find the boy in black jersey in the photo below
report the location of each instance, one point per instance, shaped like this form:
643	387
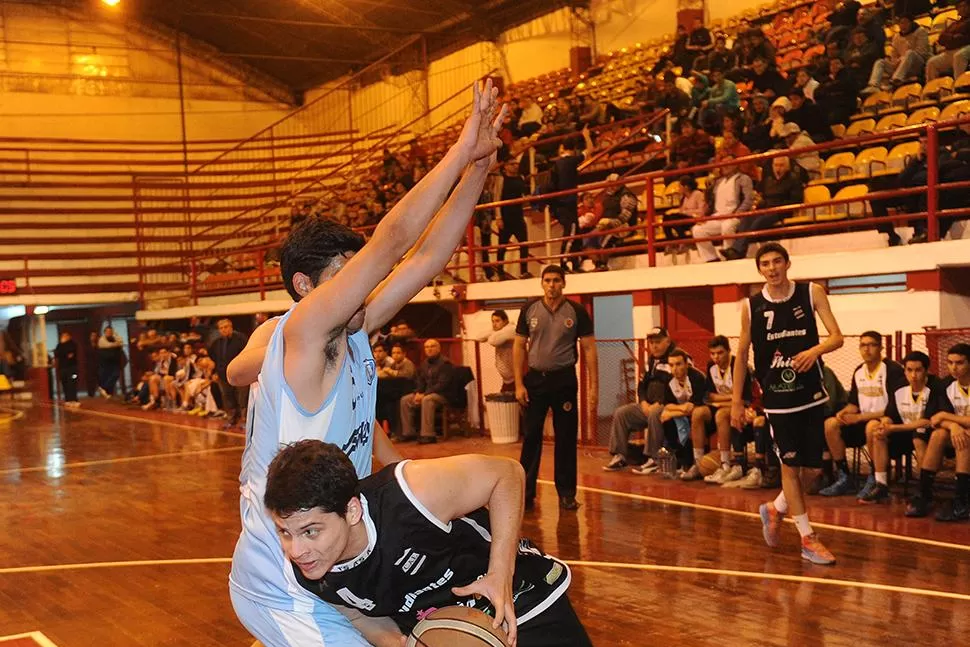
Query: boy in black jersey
950	420
415	537
779	323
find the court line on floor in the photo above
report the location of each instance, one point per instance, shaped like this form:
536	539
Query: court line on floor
150	421
37	636
17	414
755	515
572	563
126	459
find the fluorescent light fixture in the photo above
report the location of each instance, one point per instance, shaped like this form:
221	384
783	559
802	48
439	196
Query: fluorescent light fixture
41	310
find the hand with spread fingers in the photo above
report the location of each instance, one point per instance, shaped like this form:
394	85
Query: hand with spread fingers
497	587
479	139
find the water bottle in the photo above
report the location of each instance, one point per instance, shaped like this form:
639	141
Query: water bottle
667	463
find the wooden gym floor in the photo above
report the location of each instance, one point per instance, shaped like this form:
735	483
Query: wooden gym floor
117	528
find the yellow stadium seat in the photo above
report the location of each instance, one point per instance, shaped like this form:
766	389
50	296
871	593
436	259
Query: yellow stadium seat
851	209
924	21
870	160
955	109
891	122
837	166
941	20
861	127
923	115
903	96
813	194
961	89
838	130
672	194
874	103
900	155
936	90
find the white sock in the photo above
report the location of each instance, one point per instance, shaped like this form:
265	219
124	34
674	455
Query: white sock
698	455
726	457
804	527
781	503
882	477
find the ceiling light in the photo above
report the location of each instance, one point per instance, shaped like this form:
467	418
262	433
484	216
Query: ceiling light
111	3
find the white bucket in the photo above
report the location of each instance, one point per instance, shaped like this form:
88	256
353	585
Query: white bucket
503	421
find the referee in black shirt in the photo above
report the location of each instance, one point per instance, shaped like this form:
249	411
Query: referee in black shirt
552	325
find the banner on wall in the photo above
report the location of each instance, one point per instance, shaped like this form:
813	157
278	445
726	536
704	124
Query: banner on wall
8	286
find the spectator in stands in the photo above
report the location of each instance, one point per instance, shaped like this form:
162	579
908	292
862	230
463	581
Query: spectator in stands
433	380
700	89
757	125
766	79
672	98
645	98
805	82
722	58
222	351
531	119
400	366
681	56
910	52
779	188
759	48
677	223
955	39
861	57
843	19
776	115
873	20
644	414
722	98
625	215
809	163
731	146
837	93
732	192
66	362
510	219
699	41
110	361
502	338
565	176
692	147
808	116
392	384
872	384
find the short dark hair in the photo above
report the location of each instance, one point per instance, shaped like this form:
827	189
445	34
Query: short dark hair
680	352
688	181
767	248
501	314
719	341
311	246
310	474
917	356
553	269
961	348
377	345
872	334
401	346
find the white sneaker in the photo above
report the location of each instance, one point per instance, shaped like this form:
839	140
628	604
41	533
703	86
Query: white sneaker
647	468
733	473
693	474
717	477
751	481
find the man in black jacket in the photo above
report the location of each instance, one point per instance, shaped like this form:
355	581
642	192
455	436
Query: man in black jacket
65	356
223	350
433	380
808	116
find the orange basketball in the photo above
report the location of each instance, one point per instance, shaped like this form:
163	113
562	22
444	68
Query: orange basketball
457	627
710	463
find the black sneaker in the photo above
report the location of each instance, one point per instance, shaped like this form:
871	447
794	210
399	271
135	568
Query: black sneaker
955	511
918	507
568	503
879	493
616	464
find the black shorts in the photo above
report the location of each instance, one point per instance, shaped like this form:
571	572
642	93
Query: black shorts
854	435
901	443
800	436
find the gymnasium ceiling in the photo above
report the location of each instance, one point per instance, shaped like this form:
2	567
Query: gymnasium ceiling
303	43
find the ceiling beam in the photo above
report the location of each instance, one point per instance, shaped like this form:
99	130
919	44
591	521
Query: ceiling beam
305	59
301	23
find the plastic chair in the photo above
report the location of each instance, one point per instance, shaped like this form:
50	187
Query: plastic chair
923	115
851	209
899	157
869	159
838	166
891	122
807	214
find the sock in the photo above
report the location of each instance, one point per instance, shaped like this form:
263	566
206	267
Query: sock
926	484
698	455
882	477
828	468
963	487
725	457
781	503
843	466
804	527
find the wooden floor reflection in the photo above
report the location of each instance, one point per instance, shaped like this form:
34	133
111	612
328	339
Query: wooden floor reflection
83	488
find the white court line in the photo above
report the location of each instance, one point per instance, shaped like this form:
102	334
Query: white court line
36	636
755	515
572	563
127	459
17	414
148	421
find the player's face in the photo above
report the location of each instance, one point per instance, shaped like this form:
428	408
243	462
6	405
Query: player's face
552	285
497	323
679	367
870	349
313	540
720	356
915	374
774	268
958	366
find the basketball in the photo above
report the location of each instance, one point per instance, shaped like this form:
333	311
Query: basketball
710	463
457	627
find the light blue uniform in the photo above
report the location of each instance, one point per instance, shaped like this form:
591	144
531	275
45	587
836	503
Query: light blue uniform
265	594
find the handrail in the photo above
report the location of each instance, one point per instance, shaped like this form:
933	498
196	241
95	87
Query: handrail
650	120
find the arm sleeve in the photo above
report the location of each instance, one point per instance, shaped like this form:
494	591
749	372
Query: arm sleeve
522	326
642	389
407	369
854	392
709	386
584	324
420	383
499	337
669	397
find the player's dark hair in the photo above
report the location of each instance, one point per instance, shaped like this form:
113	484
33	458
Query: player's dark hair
310	474
873	335
553	269
767	248
680	352
917	356
501	314
719	341
960	349
311	246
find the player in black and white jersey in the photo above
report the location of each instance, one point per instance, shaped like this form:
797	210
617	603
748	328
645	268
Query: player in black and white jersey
415	537
779	322
904	425
950	420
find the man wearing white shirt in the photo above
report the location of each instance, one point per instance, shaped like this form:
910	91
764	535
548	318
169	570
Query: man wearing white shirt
502	338
733	192
531	119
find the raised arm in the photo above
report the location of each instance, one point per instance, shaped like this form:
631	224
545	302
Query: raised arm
245	367
452	487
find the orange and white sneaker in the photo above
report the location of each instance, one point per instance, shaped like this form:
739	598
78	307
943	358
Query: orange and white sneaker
815	552
771	523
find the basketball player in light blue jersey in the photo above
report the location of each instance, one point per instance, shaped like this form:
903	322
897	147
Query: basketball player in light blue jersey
317	378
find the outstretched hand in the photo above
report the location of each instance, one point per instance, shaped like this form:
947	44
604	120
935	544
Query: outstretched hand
497	588
479	139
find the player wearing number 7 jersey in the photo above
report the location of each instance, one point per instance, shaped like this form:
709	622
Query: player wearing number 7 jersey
779	323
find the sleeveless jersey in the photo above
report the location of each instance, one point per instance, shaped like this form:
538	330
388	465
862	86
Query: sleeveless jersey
260	570
413	560
780	330
906	406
